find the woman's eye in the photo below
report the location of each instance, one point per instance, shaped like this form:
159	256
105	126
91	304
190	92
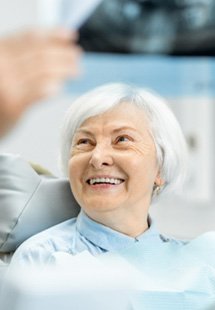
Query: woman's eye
84	144
123	139
83	141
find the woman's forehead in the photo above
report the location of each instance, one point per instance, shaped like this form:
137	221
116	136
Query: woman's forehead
122	115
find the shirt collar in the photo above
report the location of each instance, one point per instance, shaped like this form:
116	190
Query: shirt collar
109	239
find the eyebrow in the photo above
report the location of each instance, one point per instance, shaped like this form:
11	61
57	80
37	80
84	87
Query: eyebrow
124	128
88	132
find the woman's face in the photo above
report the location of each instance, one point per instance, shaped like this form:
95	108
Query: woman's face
113	162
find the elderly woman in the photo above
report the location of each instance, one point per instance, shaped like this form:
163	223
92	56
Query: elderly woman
122	148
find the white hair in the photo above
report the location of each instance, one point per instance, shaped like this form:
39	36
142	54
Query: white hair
168	137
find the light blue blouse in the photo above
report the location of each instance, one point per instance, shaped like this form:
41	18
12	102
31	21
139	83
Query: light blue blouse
175	274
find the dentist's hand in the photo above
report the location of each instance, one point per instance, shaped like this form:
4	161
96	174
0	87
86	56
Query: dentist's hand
33	66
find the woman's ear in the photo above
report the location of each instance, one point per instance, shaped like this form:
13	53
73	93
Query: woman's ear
159	181
158	185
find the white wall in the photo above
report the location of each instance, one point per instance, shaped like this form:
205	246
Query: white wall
17	15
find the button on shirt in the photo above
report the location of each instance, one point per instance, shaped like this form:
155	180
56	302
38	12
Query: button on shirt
175	274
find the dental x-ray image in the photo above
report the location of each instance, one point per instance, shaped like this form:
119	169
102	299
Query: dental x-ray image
184	27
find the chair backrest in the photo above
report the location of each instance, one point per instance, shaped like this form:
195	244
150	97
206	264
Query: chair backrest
30	203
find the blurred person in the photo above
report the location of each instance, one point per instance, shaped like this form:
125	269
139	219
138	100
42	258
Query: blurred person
33	66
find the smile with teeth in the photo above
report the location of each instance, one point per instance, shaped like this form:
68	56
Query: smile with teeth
112	181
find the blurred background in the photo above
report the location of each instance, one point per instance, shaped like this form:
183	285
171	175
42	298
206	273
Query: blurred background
164	45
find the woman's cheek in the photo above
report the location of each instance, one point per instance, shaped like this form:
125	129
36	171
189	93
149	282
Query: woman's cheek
78	165
74	151
73	167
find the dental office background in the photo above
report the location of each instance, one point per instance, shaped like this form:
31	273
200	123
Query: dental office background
188	82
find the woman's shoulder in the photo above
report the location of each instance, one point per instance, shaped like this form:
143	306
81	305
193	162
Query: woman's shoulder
197	253
209	235
204	241
40	246
56	232
203	248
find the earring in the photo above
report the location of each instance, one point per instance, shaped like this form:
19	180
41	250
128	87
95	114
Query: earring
156	189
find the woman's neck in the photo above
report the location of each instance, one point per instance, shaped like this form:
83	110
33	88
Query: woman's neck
129	223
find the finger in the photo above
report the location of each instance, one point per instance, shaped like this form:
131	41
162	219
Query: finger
48	61
31	83
54	35
63	33
27	42
45	87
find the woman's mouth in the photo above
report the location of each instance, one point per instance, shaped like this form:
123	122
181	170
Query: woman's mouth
96	181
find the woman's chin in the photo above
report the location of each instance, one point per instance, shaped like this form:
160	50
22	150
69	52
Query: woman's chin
100	205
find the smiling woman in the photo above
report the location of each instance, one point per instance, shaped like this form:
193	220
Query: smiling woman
113	166
122	148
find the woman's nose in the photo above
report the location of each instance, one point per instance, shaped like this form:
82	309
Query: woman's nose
101	156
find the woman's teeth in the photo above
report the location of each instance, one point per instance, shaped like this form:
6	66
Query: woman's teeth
105	180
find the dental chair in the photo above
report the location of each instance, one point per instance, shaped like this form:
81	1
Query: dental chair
29	203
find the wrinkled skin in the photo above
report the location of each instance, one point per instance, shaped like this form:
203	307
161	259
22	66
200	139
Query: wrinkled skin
115	144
